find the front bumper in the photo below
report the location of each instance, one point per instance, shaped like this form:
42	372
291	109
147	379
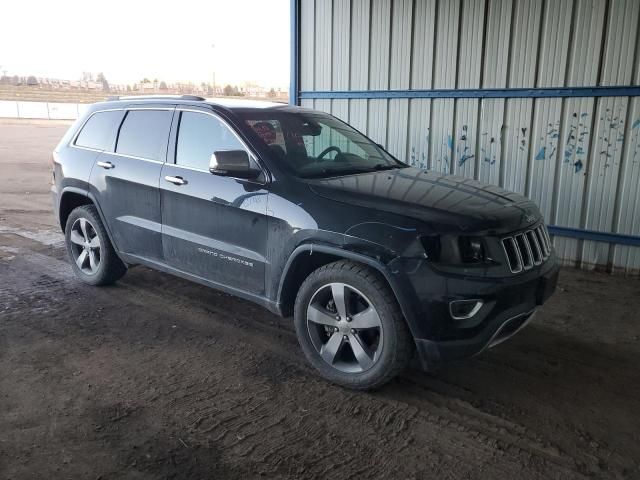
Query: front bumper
507	308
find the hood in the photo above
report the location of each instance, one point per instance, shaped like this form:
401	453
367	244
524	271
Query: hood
441	200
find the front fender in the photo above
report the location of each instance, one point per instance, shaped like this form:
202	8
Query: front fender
394	278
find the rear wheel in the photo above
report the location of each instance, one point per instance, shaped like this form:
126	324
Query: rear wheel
350	326
92	256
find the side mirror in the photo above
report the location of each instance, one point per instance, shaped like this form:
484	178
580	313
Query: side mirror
232	163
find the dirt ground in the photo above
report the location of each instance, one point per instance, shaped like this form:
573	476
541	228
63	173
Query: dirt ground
156	377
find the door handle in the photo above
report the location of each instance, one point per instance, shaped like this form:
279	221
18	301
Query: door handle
175	180
106	165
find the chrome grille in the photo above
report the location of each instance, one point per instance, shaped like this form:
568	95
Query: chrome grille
526	249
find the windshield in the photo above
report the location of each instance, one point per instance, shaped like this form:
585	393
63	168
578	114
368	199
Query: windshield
317	145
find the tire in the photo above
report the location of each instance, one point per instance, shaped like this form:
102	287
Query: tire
362	358
86	237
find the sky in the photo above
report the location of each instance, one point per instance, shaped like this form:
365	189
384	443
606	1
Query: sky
130	40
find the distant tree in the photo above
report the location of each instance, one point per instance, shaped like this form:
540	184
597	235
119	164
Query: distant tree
31	80
145	80
272	93
228	90
128	88
103	80
163	85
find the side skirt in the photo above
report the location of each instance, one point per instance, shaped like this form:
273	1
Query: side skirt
270	305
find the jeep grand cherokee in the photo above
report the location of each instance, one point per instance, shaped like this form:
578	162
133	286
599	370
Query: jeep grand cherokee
299	212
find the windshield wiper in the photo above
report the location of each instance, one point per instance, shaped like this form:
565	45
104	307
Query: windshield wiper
337	172
385	166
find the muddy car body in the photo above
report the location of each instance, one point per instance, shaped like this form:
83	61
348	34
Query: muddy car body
375	259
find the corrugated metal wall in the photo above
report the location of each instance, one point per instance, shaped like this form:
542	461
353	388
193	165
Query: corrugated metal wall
578	158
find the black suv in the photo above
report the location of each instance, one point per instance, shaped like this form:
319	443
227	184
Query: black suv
299	212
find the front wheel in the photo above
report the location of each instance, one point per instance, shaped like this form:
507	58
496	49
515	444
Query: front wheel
350	326
92	256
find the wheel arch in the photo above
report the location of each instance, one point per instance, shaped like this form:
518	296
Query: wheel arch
298	268
72	198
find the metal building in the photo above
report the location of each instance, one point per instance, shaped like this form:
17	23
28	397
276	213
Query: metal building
537	96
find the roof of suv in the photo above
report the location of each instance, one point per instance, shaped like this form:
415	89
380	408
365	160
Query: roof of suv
228	103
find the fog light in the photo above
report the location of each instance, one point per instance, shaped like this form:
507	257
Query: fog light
464	309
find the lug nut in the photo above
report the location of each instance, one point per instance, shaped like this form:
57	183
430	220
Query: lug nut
338	317
345	337
353	330
348	319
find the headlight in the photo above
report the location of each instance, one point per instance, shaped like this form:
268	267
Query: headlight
471	249
431	245
452	249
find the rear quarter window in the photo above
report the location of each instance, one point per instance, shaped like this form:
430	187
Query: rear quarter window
97	132
145	134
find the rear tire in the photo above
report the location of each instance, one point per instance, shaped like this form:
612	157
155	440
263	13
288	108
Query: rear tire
350	326
93	258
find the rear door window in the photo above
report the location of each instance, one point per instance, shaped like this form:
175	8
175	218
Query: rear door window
144	134
98	130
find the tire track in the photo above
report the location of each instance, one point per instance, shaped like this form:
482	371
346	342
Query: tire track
382	416
223	374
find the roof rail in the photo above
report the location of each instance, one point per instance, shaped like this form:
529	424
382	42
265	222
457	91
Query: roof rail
159	97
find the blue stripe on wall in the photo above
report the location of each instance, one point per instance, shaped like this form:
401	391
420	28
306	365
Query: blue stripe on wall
561	92
617	238
295	52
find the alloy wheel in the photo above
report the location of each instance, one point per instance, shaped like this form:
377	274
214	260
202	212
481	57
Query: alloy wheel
85	246
345	328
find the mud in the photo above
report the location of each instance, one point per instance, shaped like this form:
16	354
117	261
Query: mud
156	377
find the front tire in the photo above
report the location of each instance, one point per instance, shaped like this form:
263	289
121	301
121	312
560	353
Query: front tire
350	326
93	258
